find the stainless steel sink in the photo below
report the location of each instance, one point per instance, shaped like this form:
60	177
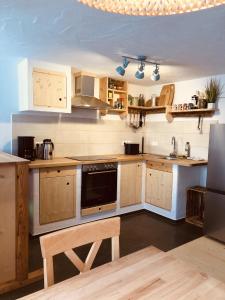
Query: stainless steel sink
170	157
173	157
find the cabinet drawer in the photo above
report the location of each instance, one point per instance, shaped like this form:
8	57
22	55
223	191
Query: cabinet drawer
57	172
166	167
98	209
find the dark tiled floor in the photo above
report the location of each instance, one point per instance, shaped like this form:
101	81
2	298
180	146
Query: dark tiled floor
138	230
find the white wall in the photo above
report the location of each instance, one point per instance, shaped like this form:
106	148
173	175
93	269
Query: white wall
157	130
76	136
160	132
135	90
184	90
9	99
9	106
73	135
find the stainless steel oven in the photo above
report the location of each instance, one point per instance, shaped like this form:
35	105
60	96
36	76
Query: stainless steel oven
99	184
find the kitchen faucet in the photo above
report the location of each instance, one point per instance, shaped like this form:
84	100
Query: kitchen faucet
173	142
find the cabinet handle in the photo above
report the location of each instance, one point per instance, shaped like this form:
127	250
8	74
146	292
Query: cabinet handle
68	183
150	174
99	208
60	99
58	171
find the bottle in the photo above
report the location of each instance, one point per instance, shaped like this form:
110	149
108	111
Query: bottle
188	149
141	100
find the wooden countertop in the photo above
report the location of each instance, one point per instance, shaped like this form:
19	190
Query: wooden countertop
63	162
146	274
6	158
179	161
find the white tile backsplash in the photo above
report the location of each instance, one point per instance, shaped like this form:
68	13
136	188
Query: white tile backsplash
75	136
159	134
89	136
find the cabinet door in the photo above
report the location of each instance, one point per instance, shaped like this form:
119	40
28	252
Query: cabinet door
57	199
57	91
166	190
130	184
40	88
152	186
159	188
49	89
7	223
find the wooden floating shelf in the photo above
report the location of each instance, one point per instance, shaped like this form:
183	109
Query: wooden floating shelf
205	112
117	110
117	91
148	110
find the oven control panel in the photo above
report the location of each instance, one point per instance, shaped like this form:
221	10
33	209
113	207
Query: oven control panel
99	167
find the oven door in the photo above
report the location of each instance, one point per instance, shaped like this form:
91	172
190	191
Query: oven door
98	188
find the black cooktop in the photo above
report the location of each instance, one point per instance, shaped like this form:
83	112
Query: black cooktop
91	157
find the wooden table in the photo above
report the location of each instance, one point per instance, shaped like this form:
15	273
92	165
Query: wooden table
146	274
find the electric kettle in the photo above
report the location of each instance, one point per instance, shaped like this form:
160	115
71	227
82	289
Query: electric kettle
48	148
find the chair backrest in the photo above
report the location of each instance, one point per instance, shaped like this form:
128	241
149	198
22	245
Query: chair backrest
67	239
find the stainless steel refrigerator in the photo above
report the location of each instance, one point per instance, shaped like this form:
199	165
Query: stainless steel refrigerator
214	225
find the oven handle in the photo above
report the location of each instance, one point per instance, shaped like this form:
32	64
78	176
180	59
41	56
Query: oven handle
100	172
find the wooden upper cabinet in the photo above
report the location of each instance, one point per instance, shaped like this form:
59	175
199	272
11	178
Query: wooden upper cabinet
49	89
159	188
57	194
44	87
114	92
130	183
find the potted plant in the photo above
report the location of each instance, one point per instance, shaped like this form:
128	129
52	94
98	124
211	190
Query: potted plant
213	91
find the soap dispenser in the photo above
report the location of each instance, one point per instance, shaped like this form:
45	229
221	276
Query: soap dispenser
188	149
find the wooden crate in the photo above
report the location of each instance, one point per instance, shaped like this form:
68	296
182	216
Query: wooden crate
195	205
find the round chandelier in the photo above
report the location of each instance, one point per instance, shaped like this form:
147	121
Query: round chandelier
151	7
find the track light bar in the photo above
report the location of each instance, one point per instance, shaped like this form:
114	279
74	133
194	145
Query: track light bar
142	60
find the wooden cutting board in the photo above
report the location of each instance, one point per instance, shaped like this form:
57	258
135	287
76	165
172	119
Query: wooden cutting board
166	95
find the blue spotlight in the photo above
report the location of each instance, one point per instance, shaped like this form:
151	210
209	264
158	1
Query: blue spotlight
140	72
155	75
121	69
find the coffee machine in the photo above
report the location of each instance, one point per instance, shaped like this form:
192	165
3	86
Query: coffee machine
26	147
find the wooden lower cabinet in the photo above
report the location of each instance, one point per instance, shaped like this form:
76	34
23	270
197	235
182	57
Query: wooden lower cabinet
57	195
7	223
159	188
130	183
14	270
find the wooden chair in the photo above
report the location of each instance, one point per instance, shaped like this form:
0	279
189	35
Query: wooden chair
68	239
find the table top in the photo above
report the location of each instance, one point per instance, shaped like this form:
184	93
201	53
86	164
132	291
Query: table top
146	274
